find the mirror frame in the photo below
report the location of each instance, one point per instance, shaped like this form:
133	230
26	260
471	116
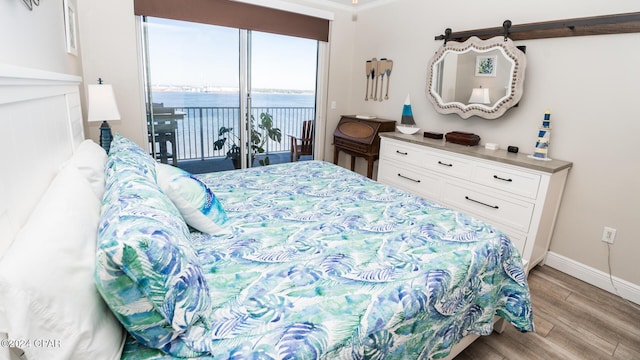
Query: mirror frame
513	54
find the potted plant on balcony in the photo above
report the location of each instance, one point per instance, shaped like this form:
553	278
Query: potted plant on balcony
227	138
260	134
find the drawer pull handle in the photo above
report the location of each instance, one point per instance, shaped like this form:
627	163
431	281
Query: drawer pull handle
408	178
480	202
445	164
402	153
503	179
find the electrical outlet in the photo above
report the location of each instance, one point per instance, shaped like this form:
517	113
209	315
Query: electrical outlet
608	235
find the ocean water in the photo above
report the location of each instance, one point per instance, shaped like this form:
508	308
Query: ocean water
193	99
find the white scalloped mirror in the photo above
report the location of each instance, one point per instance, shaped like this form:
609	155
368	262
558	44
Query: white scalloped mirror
476	77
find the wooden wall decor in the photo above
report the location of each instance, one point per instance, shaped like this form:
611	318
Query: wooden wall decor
375	69
595	25
29	3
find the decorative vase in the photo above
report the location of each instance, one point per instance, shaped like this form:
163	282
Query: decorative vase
407	121
407	113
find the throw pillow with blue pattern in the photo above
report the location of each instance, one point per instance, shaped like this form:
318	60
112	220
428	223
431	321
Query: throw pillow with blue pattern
195	200
146	270
127	152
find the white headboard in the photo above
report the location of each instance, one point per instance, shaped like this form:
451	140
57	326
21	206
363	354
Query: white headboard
40	126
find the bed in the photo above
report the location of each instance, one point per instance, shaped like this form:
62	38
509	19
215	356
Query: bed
293	261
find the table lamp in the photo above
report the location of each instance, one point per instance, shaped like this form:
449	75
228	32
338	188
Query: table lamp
479	96
103	107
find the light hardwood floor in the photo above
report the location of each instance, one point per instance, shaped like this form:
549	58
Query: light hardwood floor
573	320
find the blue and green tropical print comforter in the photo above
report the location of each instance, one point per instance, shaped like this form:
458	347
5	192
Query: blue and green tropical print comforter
323	263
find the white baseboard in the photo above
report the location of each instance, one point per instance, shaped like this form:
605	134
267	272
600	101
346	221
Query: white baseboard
594	277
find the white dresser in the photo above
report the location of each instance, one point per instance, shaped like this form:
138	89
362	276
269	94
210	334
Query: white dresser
518	195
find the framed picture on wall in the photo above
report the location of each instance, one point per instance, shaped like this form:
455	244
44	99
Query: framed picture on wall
486	65
70	27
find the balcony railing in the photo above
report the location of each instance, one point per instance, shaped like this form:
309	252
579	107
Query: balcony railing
197	128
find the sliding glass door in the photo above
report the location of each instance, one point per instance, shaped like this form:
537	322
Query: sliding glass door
220	98
282	81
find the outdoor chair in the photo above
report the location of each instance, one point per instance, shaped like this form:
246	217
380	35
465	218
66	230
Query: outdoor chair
164	126
304	144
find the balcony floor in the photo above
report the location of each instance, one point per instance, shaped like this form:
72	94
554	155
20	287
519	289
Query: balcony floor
222	164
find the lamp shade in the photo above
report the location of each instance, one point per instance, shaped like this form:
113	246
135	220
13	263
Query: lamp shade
479	96
102	103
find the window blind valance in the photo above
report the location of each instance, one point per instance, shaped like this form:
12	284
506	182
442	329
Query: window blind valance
238	15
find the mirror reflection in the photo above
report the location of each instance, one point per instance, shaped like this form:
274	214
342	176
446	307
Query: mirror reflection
477	77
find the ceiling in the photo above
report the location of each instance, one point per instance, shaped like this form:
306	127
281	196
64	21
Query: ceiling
349	2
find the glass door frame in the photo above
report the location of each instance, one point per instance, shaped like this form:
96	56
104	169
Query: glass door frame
146	80
245	96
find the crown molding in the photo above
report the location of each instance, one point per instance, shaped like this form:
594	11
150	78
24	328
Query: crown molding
291	7
353	8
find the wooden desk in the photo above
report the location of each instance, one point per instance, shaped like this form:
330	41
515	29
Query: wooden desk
359	138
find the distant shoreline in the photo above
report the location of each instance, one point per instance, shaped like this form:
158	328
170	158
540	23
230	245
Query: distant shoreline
221	90
230	98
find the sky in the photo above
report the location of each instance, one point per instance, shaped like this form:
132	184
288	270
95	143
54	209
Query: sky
183	53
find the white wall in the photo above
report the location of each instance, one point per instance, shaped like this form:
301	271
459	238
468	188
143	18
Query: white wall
579	79
110	51
36	39
107	44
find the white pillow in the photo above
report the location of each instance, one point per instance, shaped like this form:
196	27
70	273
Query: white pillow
47	290
7	231
197	204
90	159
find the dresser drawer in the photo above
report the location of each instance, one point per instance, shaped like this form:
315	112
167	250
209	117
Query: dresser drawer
498	209
351	145
505	179
449	165
417	182
401	153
